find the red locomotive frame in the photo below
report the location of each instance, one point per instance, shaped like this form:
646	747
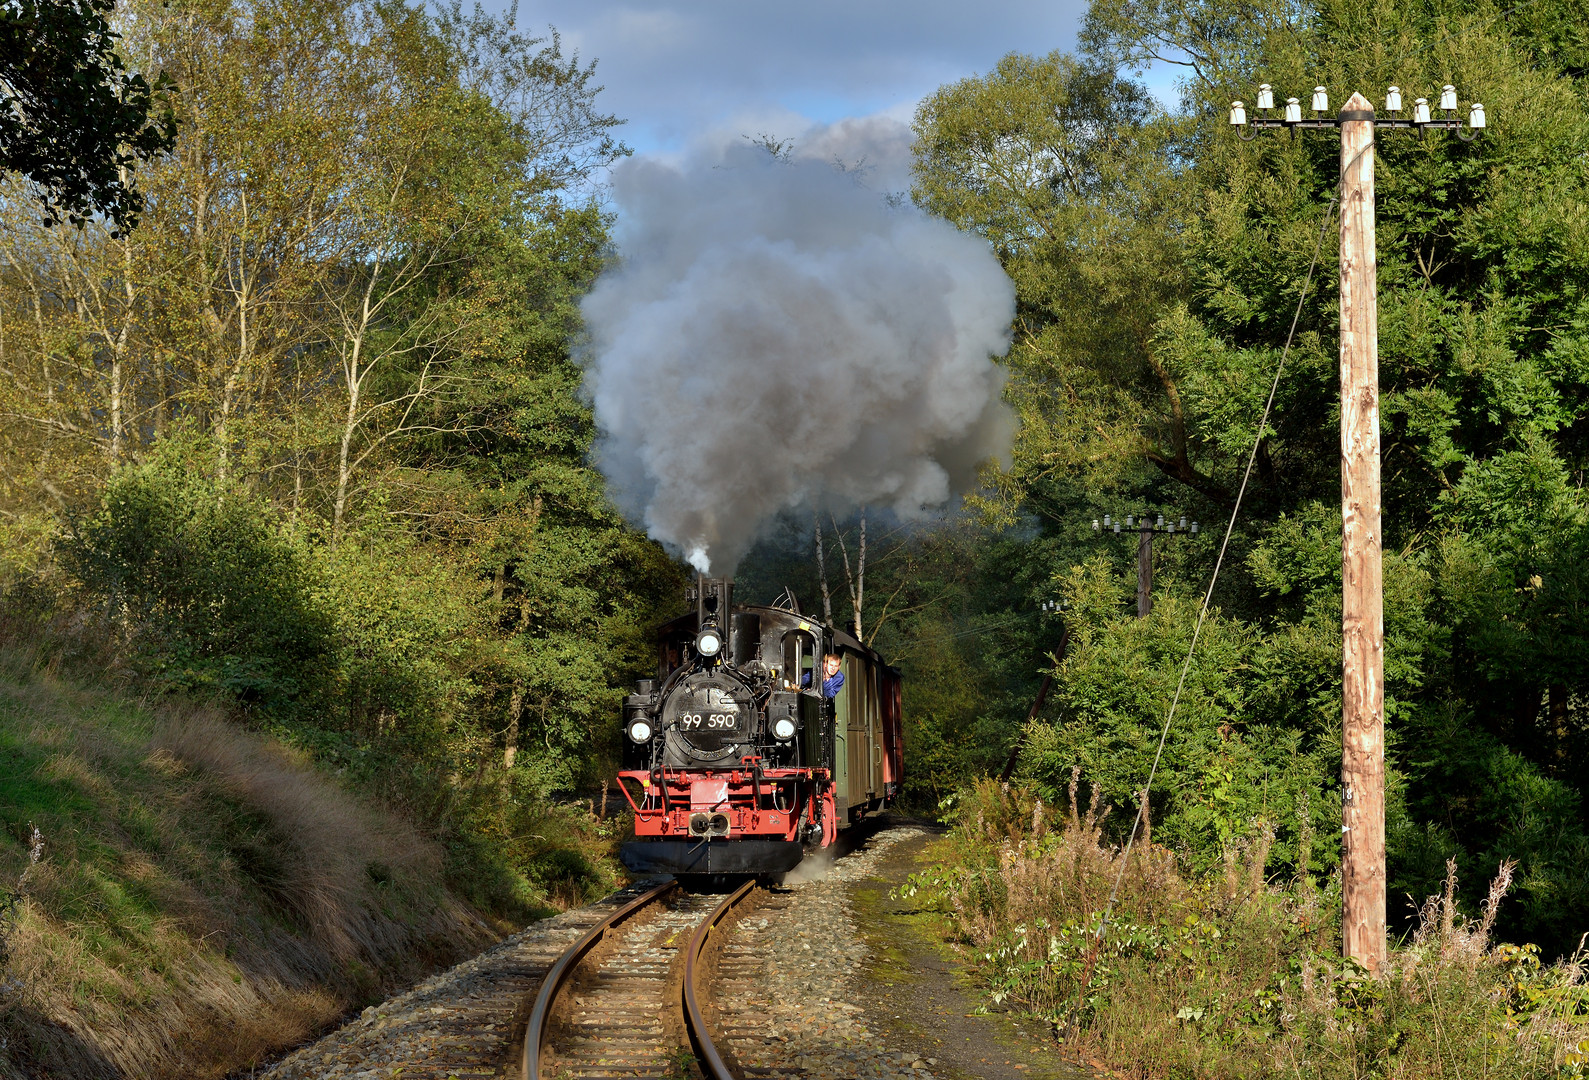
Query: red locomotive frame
665	808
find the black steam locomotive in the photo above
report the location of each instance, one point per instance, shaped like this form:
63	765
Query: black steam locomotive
734	761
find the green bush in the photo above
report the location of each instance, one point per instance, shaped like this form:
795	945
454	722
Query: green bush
377	655
203	581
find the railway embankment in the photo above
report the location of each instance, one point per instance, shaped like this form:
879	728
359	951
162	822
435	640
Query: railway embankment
786	983
180	897
464	1023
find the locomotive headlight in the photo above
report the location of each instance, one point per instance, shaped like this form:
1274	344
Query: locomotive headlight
783	728
640	731
708	643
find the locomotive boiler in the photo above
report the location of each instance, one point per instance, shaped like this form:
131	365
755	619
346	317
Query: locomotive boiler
733	760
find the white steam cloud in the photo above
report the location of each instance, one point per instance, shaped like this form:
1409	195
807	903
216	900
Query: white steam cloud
776	335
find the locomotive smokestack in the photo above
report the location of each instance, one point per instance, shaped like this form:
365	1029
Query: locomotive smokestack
713	626
714	600
777	336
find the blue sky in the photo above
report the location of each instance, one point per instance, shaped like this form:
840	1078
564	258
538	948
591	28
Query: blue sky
841	77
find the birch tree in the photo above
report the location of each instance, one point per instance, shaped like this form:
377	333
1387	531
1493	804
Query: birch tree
855	579
822	570
317	263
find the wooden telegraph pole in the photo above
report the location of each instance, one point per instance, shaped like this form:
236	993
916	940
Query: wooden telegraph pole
1362	599
1146	531
1362	603
1145	570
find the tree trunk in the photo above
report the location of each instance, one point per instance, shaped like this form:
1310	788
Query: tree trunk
354	371
854	578
120	348
229	396
349	427
822	573
115	407
860	579
515	707
1558	725
162	408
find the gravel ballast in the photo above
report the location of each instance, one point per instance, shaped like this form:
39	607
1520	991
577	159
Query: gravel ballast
789	999
466	1023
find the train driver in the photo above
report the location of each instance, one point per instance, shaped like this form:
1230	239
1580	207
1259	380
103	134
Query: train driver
832	677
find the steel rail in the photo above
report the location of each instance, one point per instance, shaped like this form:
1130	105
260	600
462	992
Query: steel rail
712	1064
535	1030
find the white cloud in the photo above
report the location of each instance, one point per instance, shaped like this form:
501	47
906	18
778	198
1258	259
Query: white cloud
650	32
679	69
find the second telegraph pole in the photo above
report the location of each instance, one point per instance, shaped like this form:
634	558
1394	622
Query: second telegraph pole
1362	601
1146	531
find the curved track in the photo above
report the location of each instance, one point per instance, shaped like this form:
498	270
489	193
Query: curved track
615	1019
706	1052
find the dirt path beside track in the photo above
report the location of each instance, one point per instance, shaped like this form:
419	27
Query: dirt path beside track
917	985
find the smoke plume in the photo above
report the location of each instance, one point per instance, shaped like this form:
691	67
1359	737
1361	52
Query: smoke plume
776	335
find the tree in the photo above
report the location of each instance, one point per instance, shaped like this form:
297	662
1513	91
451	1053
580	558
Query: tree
1078	181
323	232
354	289
854	580
73	120
1155	299
313	433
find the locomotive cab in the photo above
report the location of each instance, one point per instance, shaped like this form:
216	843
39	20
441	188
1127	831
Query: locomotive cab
730	764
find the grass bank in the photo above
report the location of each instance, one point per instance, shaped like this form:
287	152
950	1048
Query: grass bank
1234	974
182	897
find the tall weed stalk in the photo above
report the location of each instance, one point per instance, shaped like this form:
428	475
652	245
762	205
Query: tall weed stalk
1231	973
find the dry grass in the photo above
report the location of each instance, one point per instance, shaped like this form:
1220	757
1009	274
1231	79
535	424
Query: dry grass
330	850
204	896
1232	974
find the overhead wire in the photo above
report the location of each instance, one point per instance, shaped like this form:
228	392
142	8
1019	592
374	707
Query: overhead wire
1219	562
1004	626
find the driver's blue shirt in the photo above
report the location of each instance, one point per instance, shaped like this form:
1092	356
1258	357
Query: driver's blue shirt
830	686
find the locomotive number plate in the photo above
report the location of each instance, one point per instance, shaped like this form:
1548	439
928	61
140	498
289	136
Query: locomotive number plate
717	721
709	717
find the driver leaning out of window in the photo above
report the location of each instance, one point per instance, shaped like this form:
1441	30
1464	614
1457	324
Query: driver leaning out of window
832	677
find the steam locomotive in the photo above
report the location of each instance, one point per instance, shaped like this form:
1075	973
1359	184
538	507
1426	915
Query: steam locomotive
733	760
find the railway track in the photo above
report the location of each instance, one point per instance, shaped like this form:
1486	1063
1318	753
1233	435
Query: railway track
626	998
741	1018
782	1002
